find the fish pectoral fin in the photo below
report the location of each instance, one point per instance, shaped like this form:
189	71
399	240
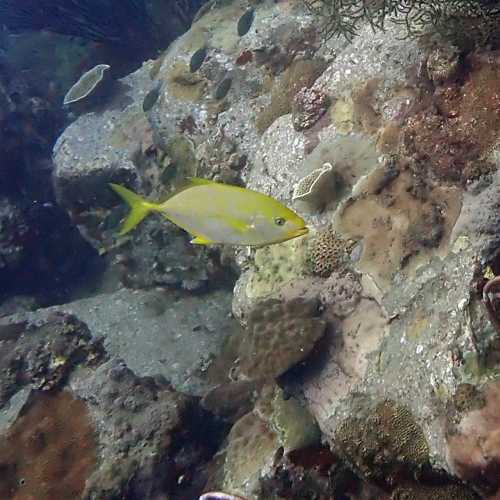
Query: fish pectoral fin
237	224
200	240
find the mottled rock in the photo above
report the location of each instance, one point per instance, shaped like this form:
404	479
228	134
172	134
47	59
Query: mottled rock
136	420
42	354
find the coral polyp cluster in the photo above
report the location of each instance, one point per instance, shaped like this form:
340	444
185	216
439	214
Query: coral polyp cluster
328	252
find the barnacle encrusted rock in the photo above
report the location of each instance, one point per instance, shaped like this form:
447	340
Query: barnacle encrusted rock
280	334
318	187
328	252
138	419
381	440
41	356
308	106
86	84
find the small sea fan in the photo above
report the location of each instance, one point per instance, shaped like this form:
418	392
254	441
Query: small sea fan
466	22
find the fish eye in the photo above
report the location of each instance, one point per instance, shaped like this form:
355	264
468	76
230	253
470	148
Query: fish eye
279	221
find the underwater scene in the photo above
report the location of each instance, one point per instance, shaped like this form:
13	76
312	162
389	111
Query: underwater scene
249	249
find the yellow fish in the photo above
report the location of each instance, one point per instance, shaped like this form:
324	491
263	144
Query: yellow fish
219	213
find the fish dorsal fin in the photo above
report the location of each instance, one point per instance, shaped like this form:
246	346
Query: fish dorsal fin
191	182
197	181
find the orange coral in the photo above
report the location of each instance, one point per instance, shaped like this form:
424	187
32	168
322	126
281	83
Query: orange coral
50	450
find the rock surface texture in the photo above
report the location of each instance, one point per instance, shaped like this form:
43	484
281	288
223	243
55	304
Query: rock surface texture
383	319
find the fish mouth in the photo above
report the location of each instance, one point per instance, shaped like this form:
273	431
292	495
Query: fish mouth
301	231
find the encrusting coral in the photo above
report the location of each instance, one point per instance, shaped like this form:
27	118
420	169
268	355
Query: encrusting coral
280	334
50	450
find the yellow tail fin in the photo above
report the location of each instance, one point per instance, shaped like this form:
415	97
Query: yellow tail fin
139	207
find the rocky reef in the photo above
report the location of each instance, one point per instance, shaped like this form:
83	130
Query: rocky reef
359	361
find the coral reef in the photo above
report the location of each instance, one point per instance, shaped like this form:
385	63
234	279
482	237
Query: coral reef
248	455
279	335
397	234
314	472
50	451
434	493
289	419
274	266
184	84
276	426
391	327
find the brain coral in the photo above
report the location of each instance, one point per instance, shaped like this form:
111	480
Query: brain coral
280	334
383	441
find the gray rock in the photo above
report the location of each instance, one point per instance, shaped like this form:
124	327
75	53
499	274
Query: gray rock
13	229
155	332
